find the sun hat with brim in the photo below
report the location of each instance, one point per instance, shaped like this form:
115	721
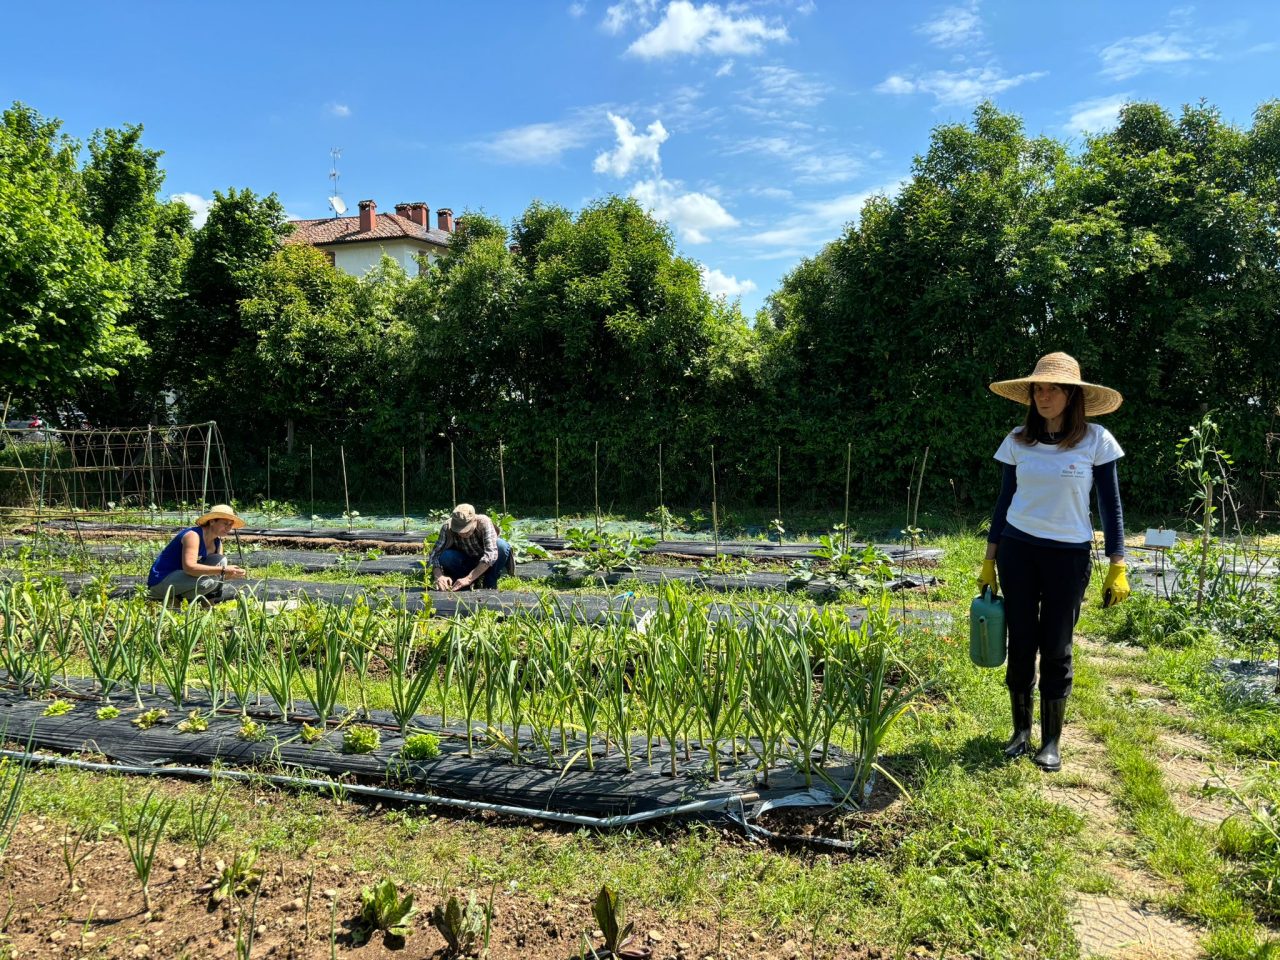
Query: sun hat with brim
462	518
220	511
1060	368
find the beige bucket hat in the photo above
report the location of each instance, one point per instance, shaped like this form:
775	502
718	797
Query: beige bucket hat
463	518
221	511
1064	369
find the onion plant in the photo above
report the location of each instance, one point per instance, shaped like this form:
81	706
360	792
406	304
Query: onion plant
173	650
17	615
411	673
103	654
766	700
465	665
327	657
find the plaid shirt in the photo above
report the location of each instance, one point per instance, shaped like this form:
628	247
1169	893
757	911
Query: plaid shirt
481	542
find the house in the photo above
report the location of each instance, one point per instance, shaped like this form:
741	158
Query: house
356	244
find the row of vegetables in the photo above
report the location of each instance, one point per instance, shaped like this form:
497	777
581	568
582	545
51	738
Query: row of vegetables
760	689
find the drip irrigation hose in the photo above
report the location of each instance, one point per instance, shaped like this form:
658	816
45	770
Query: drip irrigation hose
404	796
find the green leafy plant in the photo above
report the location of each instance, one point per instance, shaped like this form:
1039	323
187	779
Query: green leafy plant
602	553
421	746
58	708
842	568
141	830
107	713
361	738
611	917
150	718
196	722
237	878
310	734
727	566
510	531
463	929
382	908
252	730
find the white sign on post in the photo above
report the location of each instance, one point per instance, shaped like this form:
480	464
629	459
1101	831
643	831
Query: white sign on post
1160	538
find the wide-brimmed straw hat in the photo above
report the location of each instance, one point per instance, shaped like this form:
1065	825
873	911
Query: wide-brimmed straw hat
1060	368
462	518
220	511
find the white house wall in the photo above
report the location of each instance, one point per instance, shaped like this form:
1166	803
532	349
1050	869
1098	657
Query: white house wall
357	259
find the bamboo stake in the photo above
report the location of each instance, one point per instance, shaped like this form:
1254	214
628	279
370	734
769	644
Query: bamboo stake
779	513
715	520
502	478
848	467
346	492
453	475
204	479
596	475
268	472
662	503
557	487
404	500
311	470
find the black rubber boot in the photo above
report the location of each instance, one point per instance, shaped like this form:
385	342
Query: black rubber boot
1020	742
1052	713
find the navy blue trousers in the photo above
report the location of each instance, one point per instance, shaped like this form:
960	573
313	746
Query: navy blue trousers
1043	588
457	564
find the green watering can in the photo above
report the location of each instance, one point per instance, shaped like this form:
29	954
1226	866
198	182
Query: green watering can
987	638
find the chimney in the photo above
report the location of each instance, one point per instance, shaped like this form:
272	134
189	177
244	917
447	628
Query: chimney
420	214
368	215
402	210
444	219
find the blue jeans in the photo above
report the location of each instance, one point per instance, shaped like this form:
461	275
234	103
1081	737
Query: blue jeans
457	564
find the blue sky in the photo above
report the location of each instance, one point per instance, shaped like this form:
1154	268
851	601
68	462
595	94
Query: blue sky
756	129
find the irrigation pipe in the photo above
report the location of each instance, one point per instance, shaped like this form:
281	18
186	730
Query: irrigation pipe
384	793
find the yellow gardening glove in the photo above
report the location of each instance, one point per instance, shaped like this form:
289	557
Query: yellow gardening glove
1115	589
987	578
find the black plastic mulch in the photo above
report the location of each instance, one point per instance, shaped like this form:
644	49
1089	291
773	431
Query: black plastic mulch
692	548
315	561
537	783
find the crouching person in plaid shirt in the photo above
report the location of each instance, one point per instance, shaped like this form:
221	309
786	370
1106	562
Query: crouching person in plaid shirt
469	551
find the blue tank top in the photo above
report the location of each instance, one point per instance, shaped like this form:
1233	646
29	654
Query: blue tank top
170	558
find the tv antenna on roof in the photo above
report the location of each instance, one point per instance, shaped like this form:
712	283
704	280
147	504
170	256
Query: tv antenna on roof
335	201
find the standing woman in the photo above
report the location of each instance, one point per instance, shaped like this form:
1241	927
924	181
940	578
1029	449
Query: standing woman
1042	536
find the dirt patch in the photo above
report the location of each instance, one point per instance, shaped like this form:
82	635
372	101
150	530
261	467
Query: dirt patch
1114	928
103	915
1184	761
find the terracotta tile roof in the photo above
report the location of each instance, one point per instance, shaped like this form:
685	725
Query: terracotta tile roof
388	226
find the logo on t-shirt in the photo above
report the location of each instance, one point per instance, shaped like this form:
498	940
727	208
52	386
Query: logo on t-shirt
1074	471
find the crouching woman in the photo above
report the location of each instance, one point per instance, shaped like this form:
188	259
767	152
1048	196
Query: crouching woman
192	566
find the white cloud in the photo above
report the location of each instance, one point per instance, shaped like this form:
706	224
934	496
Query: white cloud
787	86
633	149
809	163
720	284
954	27
339	109
957	87
1131	56
618	15
1096	115
577	9
725	69
692	215
708	29
817	222
198	204
537	143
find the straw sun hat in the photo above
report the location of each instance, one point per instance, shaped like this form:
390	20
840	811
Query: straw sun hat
463	518
220	511
1063	369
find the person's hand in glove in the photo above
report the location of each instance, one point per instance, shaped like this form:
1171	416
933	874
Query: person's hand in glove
1115	589
987	578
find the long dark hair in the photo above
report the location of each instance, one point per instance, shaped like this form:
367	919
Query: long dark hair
1073	422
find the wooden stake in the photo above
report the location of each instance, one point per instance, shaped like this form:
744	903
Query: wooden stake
453	475
268	473
404	498
715	520
779	513
557	487
596	475
346	492
662	503
311	473
848	467
502	478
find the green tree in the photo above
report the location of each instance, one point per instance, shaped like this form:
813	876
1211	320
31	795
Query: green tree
61	298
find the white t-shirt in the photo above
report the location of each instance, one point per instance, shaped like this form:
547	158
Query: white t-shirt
1052	499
